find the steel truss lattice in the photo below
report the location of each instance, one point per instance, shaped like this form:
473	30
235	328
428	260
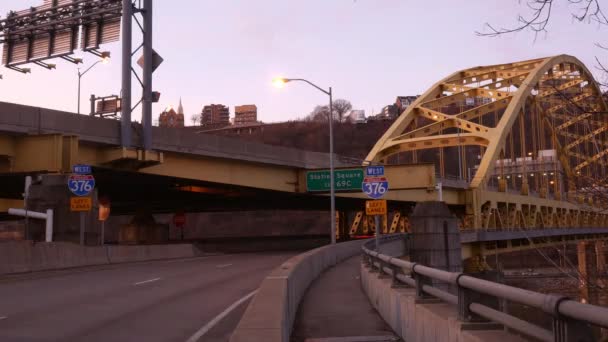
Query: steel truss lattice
530	138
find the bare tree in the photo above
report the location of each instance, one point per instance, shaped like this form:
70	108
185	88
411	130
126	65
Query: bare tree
540	16
195	118
341	107
318	114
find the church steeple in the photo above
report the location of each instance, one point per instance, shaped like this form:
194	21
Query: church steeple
180	108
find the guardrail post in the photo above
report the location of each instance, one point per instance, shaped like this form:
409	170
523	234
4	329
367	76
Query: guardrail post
465	298
569	330
382	273
566	329
395	282
372	265
366	260
420	282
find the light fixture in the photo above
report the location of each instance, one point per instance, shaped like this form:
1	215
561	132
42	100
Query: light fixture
279	82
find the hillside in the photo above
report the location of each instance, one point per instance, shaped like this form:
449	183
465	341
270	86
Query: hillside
351	140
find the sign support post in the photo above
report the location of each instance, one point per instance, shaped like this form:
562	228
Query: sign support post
103	212
82	220
147	76
81	183
378	232
103	226
375	186
125	101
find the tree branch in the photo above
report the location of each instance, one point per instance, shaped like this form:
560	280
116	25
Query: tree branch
541	14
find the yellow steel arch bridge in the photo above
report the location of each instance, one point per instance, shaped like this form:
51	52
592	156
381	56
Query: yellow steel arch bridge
530	138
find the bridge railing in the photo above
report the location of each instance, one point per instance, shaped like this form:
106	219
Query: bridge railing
568	315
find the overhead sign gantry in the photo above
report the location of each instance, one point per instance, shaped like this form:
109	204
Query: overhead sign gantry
39	34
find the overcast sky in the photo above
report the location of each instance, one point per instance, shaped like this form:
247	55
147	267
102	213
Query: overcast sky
369	51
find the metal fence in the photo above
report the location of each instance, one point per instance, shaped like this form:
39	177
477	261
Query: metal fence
569	316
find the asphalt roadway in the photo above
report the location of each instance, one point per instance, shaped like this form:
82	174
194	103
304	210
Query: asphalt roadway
185	300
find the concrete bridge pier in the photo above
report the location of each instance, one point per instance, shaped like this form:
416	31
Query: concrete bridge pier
435	238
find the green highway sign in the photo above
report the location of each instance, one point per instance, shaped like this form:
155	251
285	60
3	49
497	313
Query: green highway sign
345	180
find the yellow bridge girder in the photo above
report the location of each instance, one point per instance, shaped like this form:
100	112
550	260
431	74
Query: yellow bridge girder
514	112
57	153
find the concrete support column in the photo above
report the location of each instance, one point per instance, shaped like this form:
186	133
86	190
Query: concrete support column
435	238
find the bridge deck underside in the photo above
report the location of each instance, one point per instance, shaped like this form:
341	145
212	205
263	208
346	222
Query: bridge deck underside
132	191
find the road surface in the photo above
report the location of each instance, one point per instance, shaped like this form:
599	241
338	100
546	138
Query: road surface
173	300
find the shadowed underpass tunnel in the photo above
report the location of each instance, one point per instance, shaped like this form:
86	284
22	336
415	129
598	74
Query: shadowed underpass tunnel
130	192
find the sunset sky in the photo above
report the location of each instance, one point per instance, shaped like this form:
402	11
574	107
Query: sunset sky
369	51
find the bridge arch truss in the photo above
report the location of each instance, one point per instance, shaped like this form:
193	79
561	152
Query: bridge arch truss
530	139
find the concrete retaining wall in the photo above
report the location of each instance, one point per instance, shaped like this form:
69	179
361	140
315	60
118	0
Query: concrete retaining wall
415	321
270	315
24	256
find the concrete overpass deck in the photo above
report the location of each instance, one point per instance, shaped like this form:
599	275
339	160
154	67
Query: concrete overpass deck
16	119
222	169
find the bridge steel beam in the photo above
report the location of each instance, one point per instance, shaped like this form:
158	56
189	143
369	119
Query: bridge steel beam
535	129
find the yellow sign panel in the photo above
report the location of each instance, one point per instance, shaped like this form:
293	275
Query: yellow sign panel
81	203
376	207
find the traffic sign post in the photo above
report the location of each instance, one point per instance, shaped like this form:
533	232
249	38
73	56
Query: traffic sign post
81	204
375	186
81	169
349	179
375	207
81	183
179	220
104	213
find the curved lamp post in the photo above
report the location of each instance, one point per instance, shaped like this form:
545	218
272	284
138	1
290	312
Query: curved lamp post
105	57
279	83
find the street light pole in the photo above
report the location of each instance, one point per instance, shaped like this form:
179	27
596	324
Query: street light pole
279	82
80	76
332	189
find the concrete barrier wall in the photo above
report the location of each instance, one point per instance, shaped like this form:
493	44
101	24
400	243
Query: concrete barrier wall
24	256
118	254
270	315
416	321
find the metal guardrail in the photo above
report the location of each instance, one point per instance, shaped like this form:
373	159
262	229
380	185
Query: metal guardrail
567	314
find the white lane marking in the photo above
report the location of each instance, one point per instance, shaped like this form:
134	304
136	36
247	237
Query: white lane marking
147	281
276	277
224	265
193	259
202	331
3	317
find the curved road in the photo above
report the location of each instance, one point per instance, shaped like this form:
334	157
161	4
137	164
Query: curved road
172	300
